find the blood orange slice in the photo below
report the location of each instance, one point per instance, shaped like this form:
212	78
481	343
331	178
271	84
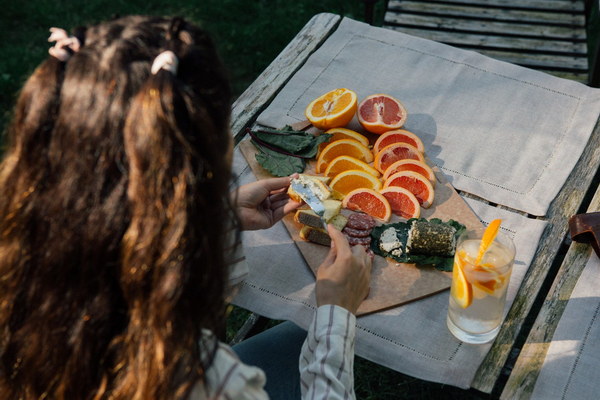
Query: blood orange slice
370	202
395	152
333	109
398	136
402	202
414	182
380	113
410	165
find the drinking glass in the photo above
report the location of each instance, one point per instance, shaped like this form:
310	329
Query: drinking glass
478	292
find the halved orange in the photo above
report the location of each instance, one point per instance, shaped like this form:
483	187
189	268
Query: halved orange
398	136
332	109
395	152
345	163
402	202
352	179
370	202
414	182
380	113
461	290
343	147
410	165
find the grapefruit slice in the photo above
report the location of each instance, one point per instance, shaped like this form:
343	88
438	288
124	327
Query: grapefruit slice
370	202
402	202
345	163
332	109
395	152
347	181
410	165
398	136
380	113
343	147
414	182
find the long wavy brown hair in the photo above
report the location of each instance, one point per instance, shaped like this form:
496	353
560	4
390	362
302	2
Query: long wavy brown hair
114	217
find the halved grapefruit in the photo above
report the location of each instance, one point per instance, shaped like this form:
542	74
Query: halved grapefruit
402	202
414	182
370	202
380	113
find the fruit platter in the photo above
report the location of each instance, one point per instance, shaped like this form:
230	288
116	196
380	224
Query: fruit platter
377	186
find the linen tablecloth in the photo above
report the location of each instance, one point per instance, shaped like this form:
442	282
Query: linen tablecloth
504	133
570	370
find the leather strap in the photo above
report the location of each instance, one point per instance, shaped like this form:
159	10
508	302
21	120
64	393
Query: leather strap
585	228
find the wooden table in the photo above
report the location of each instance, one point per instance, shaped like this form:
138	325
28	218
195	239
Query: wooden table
489	376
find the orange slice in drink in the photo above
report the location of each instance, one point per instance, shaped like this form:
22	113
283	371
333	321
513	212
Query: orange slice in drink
345	163
380	113
488	237
487	278
398	136
416	183
343	147
410	165
461	290
395	152
370	202
402	202
347	181
333	109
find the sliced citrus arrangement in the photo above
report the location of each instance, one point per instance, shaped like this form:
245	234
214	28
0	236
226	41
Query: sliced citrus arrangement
345	163
380	113
461	290
398	136
343	147
370	202
395	152
414	182
352	179
332	109
343	133
402	202
410	165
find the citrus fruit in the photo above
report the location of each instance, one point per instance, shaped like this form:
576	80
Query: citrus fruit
395	152
333	109
343	133
343	147
380	113
414	182
402	202
398	136
345	163
410	165
370	202
347	181
461	290
487	278
488	237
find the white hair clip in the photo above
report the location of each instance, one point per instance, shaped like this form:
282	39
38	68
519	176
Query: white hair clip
166	60
64	43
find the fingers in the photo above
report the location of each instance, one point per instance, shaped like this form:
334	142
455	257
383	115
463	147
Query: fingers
276	184
339	240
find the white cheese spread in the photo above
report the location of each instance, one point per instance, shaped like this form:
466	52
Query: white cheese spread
388	242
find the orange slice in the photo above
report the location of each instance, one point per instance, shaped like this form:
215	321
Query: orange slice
347	181
461	290
395	152
398	136
343	147
343	133
402	202
487	278
380	113
410	165
370	202
488	237
345	163
416	183
333	109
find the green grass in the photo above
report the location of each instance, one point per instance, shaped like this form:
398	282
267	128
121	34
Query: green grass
249	34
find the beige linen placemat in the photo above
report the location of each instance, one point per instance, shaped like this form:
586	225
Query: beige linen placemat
570	370
505	133
412	339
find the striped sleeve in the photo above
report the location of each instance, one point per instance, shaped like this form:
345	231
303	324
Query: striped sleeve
327	357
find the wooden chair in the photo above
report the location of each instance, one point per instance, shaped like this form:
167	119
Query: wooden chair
548	35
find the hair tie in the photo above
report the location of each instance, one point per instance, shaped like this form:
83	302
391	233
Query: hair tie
65	45
166	60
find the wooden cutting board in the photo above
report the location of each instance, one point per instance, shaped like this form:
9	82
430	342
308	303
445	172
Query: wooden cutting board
392	283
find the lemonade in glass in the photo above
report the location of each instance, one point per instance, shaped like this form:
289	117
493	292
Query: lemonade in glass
478	292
